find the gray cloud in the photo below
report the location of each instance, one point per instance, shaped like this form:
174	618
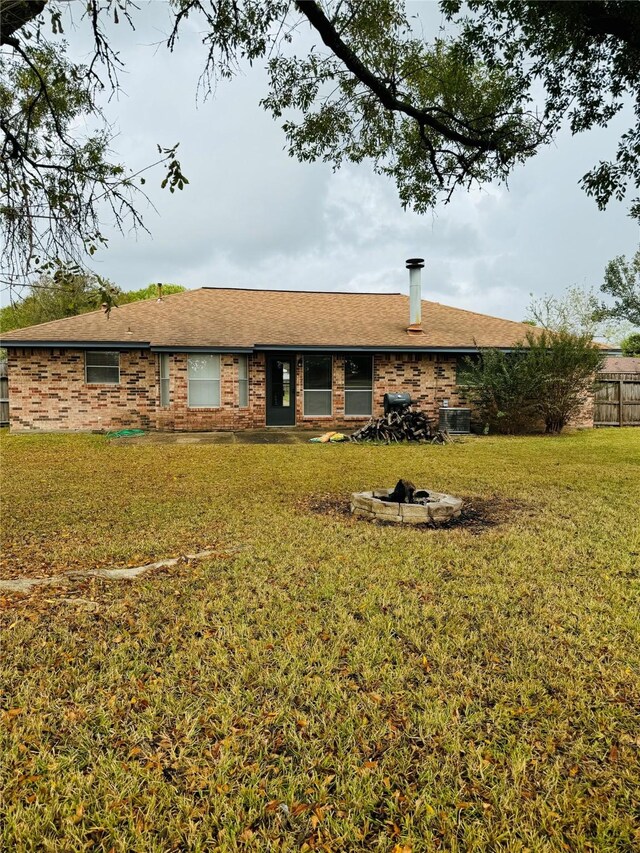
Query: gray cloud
251	216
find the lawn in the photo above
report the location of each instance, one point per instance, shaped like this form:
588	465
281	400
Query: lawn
322	683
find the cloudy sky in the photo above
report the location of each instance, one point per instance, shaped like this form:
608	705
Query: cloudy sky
253	217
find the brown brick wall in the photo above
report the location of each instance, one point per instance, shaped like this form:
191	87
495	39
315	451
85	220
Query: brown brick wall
429	379
178	416
47	391
585	417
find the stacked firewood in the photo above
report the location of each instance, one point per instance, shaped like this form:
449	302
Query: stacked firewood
404	425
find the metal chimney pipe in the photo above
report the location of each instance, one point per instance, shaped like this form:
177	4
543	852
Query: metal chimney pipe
415	265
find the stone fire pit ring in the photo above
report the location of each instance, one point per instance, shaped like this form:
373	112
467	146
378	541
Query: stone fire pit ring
437	508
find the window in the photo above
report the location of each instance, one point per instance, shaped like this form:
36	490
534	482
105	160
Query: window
102	368
243	381
164	378
317	385
203	373
358	384
464	368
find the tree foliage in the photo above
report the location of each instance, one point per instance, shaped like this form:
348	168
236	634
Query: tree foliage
432	113
59	182
502	388
576	311
69	292
586	58
428	115
622	282
64	293
565	366
151	291
544	380
631	345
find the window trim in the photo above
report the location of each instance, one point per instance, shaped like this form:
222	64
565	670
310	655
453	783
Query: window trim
88	353
241	357
218	380
460	373
370	390
164	358
306	391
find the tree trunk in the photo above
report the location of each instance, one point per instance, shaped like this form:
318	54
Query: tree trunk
554	425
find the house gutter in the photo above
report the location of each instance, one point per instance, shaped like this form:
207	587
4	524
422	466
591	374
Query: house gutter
326	348
213	349
371	349
121	345
115	345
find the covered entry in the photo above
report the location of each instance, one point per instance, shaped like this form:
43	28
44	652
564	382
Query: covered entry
281	389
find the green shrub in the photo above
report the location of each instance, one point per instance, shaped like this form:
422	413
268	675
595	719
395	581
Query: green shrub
502	388
544	380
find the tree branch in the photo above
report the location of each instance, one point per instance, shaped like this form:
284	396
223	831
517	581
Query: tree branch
604	19
14	14
332	40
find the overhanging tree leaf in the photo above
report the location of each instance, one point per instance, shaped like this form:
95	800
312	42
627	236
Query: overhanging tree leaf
433	114
622	282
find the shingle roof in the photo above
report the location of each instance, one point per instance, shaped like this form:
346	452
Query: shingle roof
233	317
620	364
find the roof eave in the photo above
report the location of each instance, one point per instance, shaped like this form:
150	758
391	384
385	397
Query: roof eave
14	343
368	348
338	348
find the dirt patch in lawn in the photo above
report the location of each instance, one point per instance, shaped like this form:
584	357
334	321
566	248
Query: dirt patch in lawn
477	514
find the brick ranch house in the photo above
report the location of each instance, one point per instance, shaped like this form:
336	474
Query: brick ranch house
230	359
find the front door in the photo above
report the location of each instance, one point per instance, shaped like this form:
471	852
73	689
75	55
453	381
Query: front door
281	390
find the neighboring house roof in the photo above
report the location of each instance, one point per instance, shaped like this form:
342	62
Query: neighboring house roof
234	318
620	364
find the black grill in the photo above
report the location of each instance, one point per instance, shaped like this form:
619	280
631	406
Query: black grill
395	402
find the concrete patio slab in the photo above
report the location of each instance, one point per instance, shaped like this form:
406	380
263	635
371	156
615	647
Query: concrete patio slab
273	435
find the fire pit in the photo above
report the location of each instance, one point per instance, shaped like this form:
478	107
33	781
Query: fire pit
406	505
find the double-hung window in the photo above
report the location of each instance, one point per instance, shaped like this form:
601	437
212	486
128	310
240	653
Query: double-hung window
243	381
358	384
164	378
102	367
203	373
318	385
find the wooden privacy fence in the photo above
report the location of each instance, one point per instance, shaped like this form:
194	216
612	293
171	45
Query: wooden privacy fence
617	400
4	394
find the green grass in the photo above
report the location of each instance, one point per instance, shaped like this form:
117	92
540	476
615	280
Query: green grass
333	685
